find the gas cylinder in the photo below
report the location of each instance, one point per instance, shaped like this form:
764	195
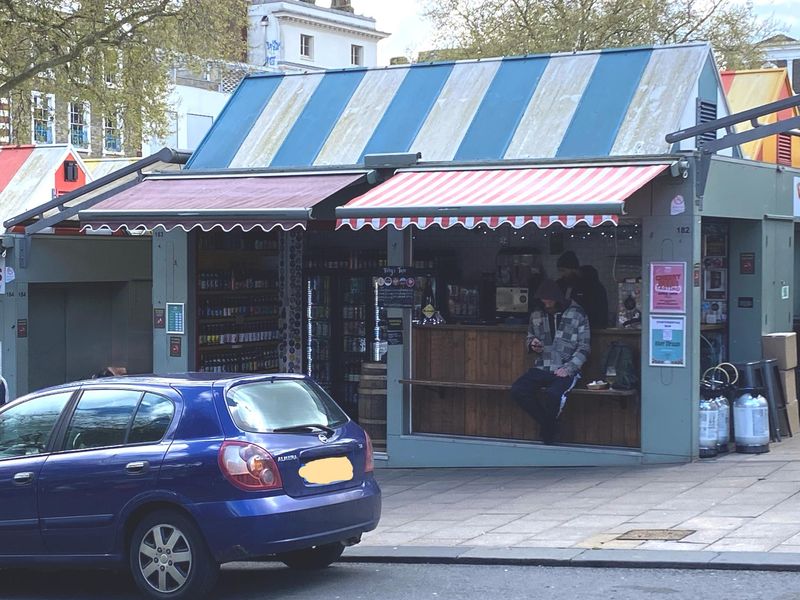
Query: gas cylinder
751	422
723	422
709	415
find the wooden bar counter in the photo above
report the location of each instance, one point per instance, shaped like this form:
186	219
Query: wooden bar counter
462	374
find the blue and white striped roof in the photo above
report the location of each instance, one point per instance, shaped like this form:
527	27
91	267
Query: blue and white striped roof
608	103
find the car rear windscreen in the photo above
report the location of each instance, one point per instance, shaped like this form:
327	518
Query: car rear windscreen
264	406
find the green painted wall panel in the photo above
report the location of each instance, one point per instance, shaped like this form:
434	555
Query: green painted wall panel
670	395
173	281
746	323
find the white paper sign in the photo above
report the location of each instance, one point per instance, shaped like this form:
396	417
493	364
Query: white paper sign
677	206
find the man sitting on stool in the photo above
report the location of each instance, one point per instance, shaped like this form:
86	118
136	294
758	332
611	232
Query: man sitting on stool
559	336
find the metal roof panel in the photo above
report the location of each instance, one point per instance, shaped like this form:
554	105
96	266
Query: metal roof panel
271	128
604	103
454	110
361	117
652	112
557	95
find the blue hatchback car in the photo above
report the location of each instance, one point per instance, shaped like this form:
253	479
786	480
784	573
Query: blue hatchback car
174	475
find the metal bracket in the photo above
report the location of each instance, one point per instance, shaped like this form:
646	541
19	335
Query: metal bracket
730	140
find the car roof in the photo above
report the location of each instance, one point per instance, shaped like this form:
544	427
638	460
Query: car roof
173	380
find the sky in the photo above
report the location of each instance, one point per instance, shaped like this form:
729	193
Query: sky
411	33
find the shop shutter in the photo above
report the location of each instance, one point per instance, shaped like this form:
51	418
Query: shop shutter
784	149
706	112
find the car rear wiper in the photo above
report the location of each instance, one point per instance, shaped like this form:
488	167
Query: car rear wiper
307	427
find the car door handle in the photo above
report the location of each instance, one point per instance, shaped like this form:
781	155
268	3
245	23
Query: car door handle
23	478
134	468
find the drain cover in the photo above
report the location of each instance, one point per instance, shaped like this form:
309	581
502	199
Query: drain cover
656	534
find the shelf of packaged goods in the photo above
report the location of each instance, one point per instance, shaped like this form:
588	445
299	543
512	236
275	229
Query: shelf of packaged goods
359	272
239	319
263	252
236	346
253	291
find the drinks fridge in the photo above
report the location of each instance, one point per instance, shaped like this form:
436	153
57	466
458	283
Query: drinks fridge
340	322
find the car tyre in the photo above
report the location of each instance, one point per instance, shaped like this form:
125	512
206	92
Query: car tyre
316	557
169	559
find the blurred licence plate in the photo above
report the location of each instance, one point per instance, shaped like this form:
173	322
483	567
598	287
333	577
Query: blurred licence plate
327	470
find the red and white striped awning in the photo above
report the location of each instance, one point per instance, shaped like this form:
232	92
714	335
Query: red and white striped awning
568	195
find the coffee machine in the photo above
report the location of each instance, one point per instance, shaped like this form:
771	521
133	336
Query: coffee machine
518	271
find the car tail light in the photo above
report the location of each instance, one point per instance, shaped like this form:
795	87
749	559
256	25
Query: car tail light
249	467
369	459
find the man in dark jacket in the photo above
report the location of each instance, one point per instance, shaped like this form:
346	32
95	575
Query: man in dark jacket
560	338
595	298
582	284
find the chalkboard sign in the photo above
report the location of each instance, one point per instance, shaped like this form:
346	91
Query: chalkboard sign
396	287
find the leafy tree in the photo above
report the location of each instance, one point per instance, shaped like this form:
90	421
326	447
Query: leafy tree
114	54
483	28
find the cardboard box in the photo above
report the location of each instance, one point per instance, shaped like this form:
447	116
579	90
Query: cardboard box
789	384
781	346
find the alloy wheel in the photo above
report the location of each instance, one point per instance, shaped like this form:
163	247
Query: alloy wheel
165	558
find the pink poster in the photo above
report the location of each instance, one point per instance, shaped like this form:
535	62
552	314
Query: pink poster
668	287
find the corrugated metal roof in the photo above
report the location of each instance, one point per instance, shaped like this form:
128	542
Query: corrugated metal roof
30	175
100	167
749	89
606	103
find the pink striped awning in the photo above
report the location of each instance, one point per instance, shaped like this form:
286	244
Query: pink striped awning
568	195
244	202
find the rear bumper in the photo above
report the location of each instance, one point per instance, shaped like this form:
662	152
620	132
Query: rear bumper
258	527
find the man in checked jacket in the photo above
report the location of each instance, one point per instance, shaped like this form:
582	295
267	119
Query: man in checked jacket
559	337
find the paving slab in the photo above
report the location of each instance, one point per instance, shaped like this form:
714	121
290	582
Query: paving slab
744	505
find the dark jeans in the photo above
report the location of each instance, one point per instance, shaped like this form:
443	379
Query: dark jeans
539	393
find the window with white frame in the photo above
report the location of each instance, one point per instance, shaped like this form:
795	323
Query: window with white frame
112	135
43	128
306	45
5	121
79	124
356	55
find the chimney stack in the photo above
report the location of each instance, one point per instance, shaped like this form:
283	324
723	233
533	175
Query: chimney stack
342	5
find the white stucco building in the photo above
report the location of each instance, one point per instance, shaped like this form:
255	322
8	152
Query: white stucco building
784	52
295	35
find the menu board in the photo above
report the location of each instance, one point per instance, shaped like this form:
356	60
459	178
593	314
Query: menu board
396	286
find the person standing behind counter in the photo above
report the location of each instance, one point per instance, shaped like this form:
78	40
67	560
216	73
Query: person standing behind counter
560	336
582	284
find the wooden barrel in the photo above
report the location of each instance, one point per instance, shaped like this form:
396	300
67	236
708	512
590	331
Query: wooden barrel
372	403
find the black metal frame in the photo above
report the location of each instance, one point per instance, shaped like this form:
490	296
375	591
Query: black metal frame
707	149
